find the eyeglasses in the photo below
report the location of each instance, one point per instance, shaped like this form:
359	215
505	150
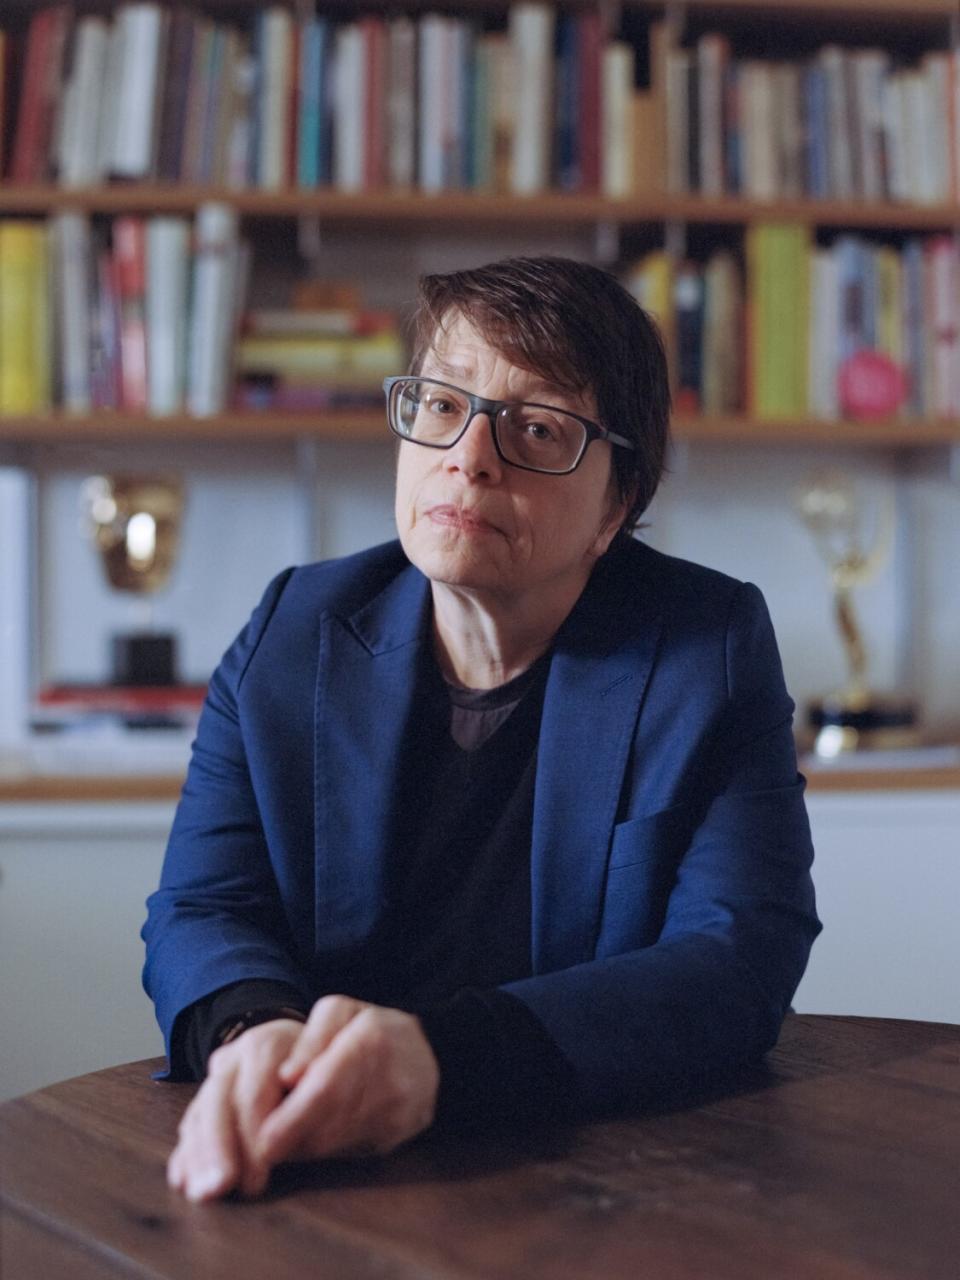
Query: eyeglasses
534	437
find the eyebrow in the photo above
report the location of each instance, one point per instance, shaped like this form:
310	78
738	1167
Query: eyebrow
540	387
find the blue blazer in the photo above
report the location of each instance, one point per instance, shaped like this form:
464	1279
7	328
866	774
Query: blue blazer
672	906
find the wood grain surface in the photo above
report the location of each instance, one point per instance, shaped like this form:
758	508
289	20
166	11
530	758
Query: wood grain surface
836	1159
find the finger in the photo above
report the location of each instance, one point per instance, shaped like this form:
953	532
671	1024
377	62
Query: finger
175	1170
327	1019
323	1114
211	1153
258	1092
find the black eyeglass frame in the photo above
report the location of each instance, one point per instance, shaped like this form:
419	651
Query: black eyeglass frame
492	408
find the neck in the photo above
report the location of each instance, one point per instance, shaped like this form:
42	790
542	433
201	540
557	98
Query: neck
482	642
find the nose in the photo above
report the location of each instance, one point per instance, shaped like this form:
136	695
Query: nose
475	455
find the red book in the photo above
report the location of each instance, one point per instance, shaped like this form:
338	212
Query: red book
375	102
129	256
40	87
590	34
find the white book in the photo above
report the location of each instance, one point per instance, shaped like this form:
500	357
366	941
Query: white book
109	122
73	259
711	62
212	309
401	101
531	27
168	272
275	98
678	70
433	46
834	60
349	102
137	101
16	604
79	160
824	343
895	137
936	78
918	111
761	159
616	156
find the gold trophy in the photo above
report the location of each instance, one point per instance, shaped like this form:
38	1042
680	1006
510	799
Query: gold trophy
853	717
134	521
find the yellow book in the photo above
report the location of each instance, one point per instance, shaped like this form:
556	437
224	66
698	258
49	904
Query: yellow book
25	347
889	269
778	319
650	280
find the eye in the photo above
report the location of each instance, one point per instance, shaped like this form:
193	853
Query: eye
441	405
539	431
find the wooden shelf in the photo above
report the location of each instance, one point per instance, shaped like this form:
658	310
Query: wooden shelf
370	425
66	789
414	209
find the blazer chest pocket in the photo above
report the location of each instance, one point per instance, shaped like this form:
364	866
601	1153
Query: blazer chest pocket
641	873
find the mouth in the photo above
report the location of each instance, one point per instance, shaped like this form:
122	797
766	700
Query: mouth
448	516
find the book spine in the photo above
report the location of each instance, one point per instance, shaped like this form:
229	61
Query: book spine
129	251
213	309
617	173
79	156
531	31
73	273
430	61
401	101
349	109
24	340
275	122
168	265
136	105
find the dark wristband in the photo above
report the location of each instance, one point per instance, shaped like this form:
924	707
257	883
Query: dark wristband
233	1027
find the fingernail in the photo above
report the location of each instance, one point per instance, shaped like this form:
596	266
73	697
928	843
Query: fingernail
205	1184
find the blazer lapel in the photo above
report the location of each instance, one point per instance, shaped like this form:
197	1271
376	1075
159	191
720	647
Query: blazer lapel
600	669
366	688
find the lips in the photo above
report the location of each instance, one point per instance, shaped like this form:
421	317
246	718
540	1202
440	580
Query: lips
453	517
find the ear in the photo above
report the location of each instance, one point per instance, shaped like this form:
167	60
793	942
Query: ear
616	512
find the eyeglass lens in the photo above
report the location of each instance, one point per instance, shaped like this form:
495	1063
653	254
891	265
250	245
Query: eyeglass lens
530	436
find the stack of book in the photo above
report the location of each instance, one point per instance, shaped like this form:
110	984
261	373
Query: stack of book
858	329
138	316
431	101
63	708
316	358
846	124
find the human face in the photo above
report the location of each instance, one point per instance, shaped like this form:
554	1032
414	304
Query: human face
469	521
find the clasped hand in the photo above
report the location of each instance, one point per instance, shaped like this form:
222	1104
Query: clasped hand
355	1078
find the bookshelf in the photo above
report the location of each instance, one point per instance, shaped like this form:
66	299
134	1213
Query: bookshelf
622	228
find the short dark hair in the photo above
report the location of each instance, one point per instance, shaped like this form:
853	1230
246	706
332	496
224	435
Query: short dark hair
578	326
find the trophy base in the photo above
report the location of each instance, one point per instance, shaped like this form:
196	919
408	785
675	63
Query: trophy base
862	724
146	658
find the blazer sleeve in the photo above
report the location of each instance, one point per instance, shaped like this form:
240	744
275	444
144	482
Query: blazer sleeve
711	993
216	917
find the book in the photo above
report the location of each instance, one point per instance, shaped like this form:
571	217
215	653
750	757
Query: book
168	273
129	255
778	328
25	340
431	101
214	294
590	100
712	56
618	150
172	108
142	29
688	309
274	116
73	273
531	28
568	114
401	102
350	97
39	93
344	359
78	160
722	379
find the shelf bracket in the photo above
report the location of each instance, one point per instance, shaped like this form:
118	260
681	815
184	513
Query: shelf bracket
675	240
309	239
606	242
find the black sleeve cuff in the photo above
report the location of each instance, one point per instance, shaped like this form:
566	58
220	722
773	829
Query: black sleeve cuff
195	1032
498	1065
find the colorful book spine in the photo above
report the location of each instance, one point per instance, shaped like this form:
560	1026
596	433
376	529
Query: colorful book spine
129	253
25	340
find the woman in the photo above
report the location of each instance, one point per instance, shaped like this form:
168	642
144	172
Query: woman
508	811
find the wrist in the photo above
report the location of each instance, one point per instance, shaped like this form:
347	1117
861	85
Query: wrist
235	1026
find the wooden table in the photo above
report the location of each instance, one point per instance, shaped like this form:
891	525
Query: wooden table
839	1158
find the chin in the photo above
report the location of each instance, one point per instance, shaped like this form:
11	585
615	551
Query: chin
452	562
